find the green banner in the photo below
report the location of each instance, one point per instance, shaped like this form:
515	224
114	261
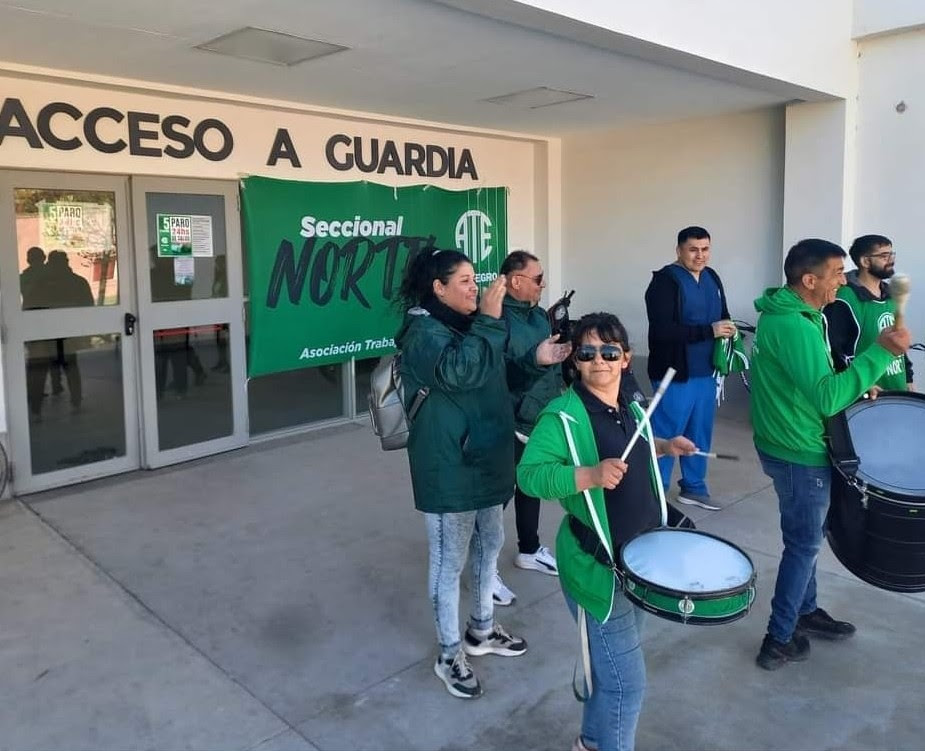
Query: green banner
325	261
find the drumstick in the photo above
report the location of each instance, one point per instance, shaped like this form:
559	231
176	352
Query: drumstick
899	291
712	455
662	387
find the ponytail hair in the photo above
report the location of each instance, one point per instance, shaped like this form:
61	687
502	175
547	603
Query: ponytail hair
428	264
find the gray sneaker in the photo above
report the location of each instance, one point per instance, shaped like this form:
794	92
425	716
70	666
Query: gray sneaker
498	642
457	676
695	499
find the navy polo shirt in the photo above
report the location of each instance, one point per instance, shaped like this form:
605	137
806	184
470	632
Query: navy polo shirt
701	304
632	506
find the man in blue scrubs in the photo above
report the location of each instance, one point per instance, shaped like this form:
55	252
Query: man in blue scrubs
686	307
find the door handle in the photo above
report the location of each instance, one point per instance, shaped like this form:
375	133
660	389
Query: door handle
130	322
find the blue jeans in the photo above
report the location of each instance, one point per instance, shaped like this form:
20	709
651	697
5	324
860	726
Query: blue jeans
618	675
803	495
450	537
687	409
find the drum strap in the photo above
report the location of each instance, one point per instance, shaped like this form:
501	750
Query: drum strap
582	689
590	543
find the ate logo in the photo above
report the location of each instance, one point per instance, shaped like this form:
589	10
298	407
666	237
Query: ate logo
885	320
473	235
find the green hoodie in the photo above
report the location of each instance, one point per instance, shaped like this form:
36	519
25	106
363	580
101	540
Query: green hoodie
794	387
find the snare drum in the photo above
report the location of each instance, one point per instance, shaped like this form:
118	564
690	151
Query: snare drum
688	576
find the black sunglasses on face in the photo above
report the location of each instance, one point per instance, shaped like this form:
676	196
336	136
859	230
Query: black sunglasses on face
609	352
538	279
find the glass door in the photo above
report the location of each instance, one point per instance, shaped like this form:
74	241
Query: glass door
190	318
68	304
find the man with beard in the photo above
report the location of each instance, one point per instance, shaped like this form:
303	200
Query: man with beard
864	308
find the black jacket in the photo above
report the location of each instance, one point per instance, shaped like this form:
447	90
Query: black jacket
668	337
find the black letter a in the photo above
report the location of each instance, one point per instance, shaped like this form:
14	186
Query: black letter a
283	149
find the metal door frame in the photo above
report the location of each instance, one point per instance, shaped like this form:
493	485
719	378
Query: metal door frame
20	326
153	316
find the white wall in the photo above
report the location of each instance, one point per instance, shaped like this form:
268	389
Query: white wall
805	43
884	16
890	189
626	194
819	171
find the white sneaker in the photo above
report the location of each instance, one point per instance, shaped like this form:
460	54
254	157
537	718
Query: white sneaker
542	560
695	499
501	594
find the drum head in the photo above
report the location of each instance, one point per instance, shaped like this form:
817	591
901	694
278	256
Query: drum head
686	561
888	440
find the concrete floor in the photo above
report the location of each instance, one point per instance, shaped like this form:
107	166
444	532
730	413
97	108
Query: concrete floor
274	598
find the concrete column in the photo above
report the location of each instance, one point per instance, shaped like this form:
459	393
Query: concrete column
819	171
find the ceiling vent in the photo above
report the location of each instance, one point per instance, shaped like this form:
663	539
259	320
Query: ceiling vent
542	96
270	47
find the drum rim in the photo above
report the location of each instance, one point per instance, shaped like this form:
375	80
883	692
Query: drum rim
873	487
884	495
696	620
667	591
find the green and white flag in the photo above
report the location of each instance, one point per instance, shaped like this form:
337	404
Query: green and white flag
325	261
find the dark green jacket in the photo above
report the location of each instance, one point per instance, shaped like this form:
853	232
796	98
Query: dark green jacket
532	387
460	447
794	386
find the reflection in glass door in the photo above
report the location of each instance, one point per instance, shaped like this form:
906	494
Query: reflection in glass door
187	237
71	375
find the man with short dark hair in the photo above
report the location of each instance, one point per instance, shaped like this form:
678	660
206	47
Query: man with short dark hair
527	325
686	307
794	388
864	308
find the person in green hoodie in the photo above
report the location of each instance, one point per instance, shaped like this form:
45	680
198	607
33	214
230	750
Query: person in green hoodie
864	308
572	456
460	447
794	388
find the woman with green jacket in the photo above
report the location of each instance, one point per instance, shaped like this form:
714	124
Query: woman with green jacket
460	446
572	455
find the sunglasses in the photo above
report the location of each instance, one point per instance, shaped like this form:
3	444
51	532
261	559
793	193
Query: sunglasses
538	279
609	352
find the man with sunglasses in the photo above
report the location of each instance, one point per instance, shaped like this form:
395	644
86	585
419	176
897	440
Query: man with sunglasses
686	307
527	325
863	308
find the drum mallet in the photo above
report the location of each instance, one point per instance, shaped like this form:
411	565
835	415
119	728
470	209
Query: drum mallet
662	388
899	291
714	455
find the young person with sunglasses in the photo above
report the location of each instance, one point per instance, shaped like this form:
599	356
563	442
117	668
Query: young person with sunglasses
459	447
531	390
572	456
686	307
863	308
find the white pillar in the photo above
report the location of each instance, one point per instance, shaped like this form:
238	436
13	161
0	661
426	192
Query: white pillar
819	171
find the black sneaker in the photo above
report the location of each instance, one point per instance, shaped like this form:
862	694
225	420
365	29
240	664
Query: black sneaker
457	676
821	624
498	642
773	654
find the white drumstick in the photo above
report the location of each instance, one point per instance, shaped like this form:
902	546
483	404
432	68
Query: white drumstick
899	291
662	387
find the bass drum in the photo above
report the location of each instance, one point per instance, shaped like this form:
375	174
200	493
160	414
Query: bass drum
876	521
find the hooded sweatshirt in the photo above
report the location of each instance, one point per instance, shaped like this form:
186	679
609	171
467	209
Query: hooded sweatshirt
794	386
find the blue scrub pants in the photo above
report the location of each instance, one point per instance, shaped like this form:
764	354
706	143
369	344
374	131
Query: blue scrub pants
687	409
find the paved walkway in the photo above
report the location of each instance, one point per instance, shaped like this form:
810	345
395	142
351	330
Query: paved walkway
274	598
